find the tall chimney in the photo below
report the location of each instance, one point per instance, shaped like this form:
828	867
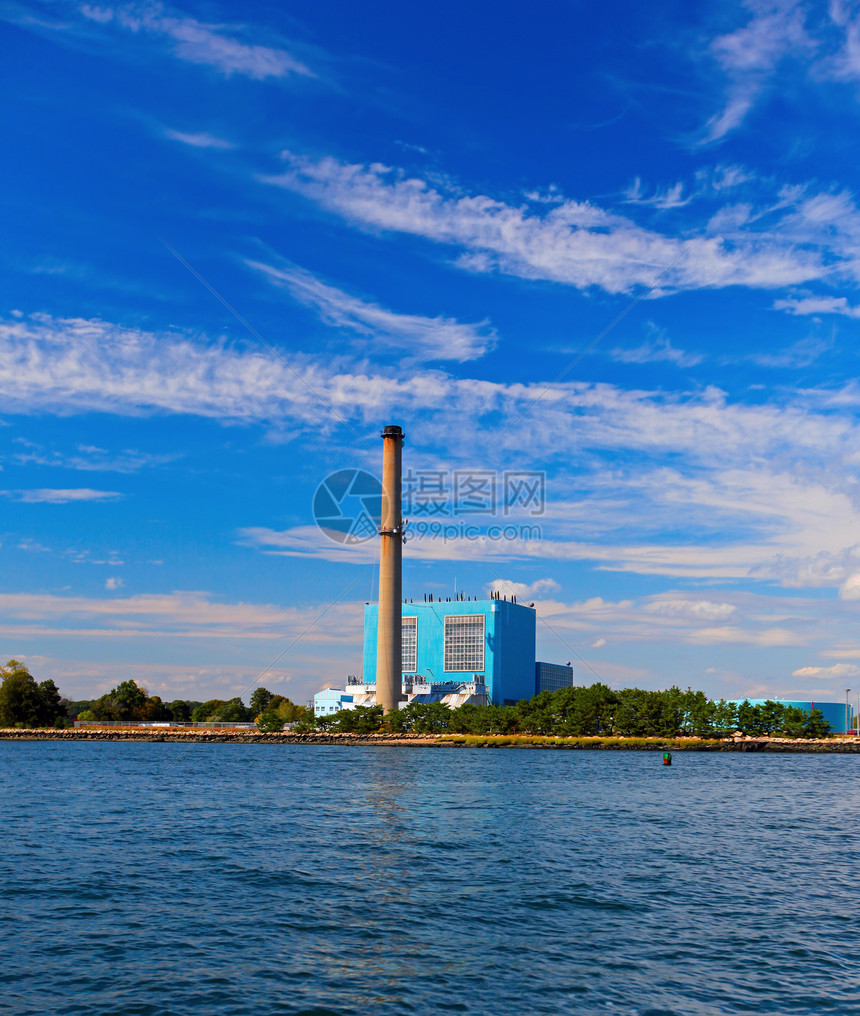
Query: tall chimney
389	657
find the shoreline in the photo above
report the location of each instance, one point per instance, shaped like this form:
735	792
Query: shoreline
835	745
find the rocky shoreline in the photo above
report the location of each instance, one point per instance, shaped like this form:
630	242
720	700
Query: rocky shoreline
838	745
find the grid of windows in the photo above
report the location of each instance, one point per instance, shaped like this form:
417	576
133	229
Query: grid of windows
464	643
409	645
553	677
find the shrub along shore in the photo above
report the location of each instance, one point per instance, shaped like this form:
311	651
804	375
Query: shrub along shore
185	735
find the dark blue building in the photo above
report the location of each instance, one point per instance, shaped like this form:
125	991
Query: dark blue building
552	676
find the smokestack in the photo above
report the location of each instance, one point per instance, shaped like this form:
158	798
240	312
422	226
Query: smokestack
389	658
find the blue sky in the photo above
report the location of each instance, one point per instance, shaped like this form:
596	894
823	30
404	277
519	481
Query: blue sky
238	240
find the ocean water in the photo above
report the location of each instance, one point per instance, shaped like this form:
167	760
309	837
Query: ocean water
155	878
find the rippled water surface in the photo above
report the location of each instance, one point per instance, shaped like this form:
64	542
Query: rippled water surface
153	878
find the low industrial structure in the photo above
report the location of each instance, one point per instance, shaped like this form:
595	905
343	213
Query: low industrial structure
839	715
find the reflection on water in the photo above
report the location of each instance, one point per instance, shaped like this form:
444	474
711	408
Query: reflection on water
392	880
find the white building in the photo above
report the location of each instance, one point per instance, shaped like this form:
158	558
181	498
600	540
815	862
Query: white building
332	700
414	689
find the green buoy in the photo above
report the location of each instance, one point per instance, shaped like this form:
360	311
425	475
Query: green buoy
667	758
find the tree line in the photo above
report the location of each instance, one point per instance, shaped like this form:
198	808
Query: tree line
570	712
24	703
589	711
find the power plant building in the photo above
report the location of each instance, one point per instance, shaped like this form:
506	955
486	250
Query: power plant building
462	642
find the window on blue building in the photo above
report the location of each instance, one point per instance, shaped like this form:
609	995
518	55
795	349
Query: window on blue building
464	642
410	645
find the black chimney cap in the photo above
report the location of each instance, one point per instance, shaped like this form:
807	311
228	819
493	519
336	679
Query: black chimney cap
392	430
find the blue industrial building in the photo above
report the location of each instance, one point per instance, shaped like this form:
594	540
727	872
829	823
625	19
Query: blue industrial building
459	640
839	715
552	677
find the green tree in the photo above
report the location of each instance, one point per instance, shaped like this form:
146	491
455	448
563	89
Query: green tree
233	710
181	709
207	711
816	725
125	702
20	701
260	699
794	720
427	717
361	720
269	722
74	709
763	719
289	711
799	722
50	704
725	718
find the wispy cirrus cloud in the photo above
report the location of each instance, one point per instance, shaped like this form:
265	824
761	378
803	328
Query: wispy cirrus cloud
667	198
418	338
817	43
89	458
660	350
578	243
749	56
182	613
800	354
199	139
230	49
71	365
50	496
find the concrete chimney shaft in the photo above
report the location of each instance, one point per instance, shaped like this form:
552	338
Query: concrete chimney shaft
389	658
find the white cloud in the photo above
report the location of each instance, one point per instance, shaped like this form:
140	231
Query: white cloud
180	614
61	496
73	365
669	197
767	638
818	305
850	588
217	46
800	354
693	610
838	670
844	64
114	582
198	140
28	544
784	514
749	56
419	338
659	351
91	459
576	243
598	644
523	590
